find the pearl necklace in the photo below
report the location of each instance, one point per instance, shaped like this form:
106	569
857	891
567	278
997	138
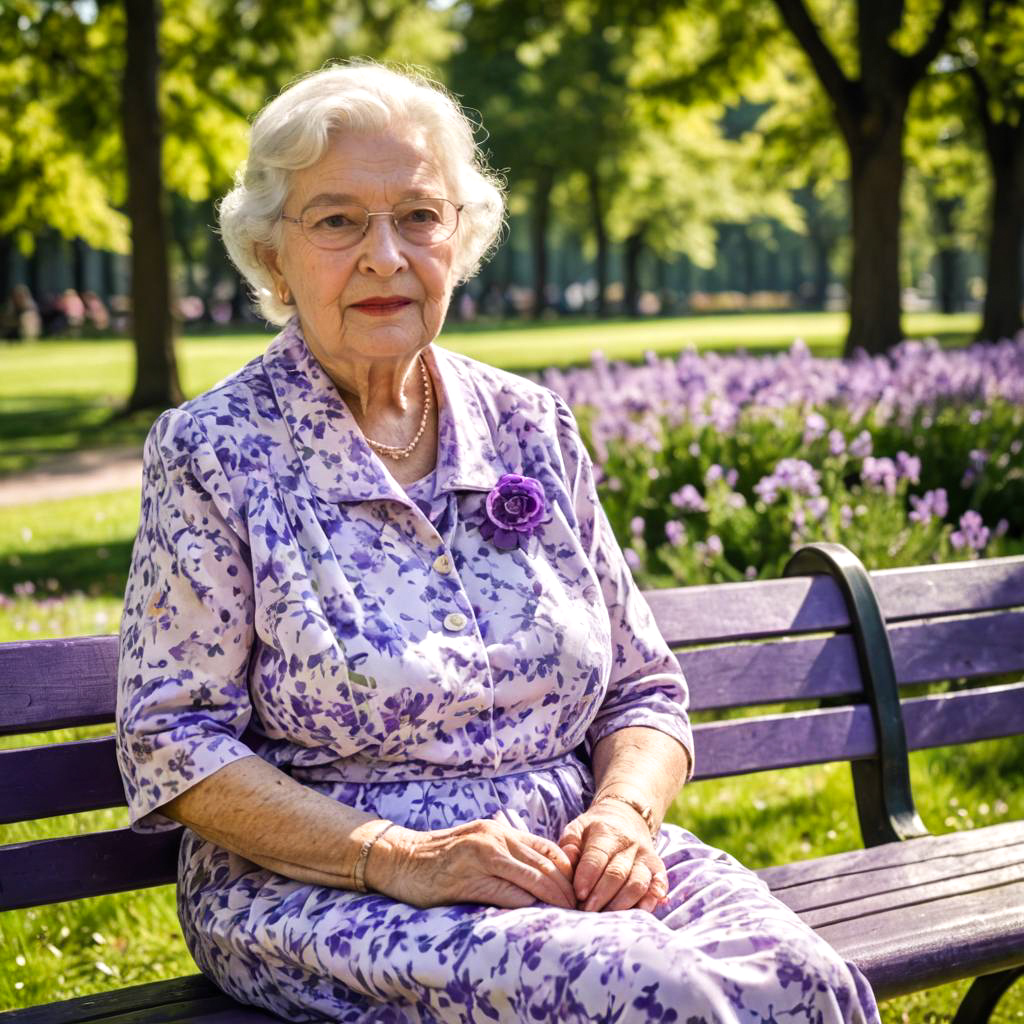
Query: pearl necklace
393	451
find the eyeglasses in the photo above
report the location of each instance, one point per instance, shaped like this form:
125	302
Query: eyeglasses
336	226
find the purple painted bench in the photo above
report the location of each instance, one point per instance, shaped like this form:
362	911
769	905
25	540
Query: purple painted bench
912	910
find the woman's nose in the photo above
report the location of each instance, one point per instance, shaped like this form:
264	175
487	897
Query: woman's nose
381	246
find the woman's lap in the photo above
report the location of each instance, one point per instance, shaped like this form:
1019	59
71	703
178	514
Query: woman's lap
720	949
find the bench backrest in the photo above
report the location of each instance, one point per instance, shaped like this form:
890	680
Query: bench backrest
742	645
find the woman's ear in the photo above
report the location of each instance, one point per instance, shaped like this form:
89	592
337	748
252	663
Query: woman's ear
267	255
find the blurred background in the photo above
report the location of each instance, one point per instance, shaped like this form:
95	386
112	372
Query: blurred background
769	250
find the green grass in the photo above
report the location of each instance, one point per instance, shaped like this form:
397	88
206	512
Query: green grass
58	396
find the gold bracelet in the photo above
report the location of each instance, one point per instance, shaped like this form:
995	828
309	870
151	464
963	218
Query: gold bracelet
359	872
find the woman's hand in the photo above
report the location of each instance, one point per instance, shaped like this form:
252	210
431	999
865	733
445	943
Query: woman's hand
483	861
613	859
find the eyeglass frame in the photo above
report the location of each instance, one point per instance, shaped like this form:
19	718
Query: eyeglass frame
381	213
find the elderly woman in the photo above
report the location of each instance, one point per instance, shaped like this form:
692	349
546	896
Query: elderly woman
375	608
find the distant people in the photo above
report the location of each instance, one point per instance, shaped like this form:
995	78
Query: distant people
96	313
74	311
21	320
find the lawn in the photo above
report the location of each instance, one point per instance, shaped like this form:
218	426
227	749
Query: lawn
79	549
57	396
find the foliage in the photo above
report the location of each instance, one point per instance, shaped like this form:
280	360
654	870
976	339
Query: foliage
715	468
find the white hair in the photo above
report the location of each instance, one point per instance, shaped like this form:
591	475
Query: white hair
293	131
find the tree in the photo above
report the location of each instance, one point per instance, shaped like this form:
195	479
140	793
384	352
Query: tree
871	110
992	48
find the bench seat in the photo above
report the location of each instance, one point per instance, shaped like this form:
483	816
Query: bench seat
911	910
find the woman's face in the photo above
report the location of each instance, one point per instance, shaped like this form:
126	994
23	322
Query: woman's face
331	288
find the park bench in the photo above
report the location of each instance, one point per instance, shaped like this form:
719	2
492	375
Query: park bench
912	910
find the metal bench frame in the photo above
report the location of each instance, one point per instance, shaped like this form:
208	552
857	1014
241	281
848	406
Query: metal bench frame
830	632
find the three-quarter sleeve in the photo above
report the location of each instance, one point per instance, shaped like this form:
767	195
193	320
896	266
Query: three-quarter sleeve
187	627
646	687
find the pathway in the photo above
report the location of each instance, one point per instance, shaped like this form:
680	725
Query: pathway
74	475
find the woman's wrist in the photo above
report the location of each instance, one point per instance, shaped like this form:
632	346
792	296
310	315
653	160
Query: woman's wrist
391	850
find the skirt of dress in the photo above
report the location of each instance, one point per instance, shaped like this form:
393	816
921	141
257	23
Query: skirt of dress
720	950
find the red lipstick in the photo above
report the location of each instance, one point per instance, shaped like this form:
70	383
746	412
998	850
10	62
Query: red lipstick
381	305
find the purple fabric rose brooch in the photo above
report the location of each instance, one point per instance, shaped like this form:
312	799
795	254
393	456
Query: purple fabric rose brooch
513	511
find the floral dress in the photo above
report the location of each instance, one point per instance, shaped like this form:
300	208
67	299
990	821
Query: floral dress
392	650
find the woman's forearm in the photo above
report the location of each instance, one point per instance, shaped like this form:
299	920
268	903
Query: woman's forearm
642	764
257	811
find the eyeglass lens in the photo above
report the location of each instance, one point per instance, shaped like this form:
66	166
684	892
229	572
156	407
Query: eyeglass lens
419	221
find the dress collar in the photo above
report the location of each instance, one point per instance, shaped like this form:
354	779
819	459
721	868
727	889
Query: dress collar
338	462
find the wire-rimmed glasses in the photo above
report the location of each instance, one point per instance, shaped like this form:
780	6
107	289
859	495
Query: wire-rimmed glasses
336	226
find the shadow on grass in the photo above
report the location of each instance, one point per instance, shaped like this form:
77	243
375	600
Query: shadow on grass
100	570
37	428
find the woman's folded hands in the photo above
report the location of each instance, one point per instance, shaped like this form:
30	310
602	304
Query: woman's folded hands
604	860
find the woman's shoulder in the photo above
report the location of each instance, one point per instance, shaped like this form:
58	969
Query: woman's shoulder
503	391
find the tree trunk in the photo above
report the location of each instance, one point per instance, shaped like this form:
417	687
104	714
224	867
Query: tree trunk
541	216
948	256
156	371
1005	284
876	183
634	247
5	268
601	237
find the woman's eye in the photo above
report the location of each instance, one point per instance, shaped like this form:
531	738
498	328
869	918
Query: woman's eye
424	215
333	222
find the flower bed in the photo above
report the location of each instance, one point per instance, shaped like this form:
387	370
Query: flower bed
714	467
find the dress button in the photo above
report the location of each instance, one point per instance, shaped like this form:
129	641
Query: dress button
455	621
443	564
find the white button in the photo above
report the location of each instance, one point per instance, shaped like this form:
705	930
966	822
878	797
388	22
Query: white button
455	621
443	564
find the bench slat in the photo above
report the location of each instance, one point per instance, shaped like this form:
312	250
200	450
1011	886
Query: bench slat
745	745
908	948
73	867
763	608
747	674
948	719
101	1006
51	684
59	778
893	856
894	880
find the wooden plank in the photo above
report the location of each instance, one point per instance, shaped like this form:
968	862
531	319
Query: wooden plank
766	742
894	855
51	684
951	718
743	675
832	894
190	999
991	644
52	870
915	895
59	778
764	608
951	588
913	947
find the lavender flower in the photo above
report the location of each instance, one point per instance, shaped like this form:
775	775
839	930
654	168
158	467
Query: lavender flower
861	446
688	499
880	474
908	467
636	526
973	533
836	443
675	533
930	504
815	426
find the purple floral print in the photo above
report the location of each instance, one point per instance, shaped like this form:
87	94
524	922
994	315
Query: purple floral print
288	598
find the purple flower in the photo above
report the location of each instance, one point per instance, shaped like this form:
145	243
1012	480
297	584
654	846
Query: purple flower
675	533
688	499
973	533
931	503
836	443
815	426
514	510
860	446
636	526
908	467
880	473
